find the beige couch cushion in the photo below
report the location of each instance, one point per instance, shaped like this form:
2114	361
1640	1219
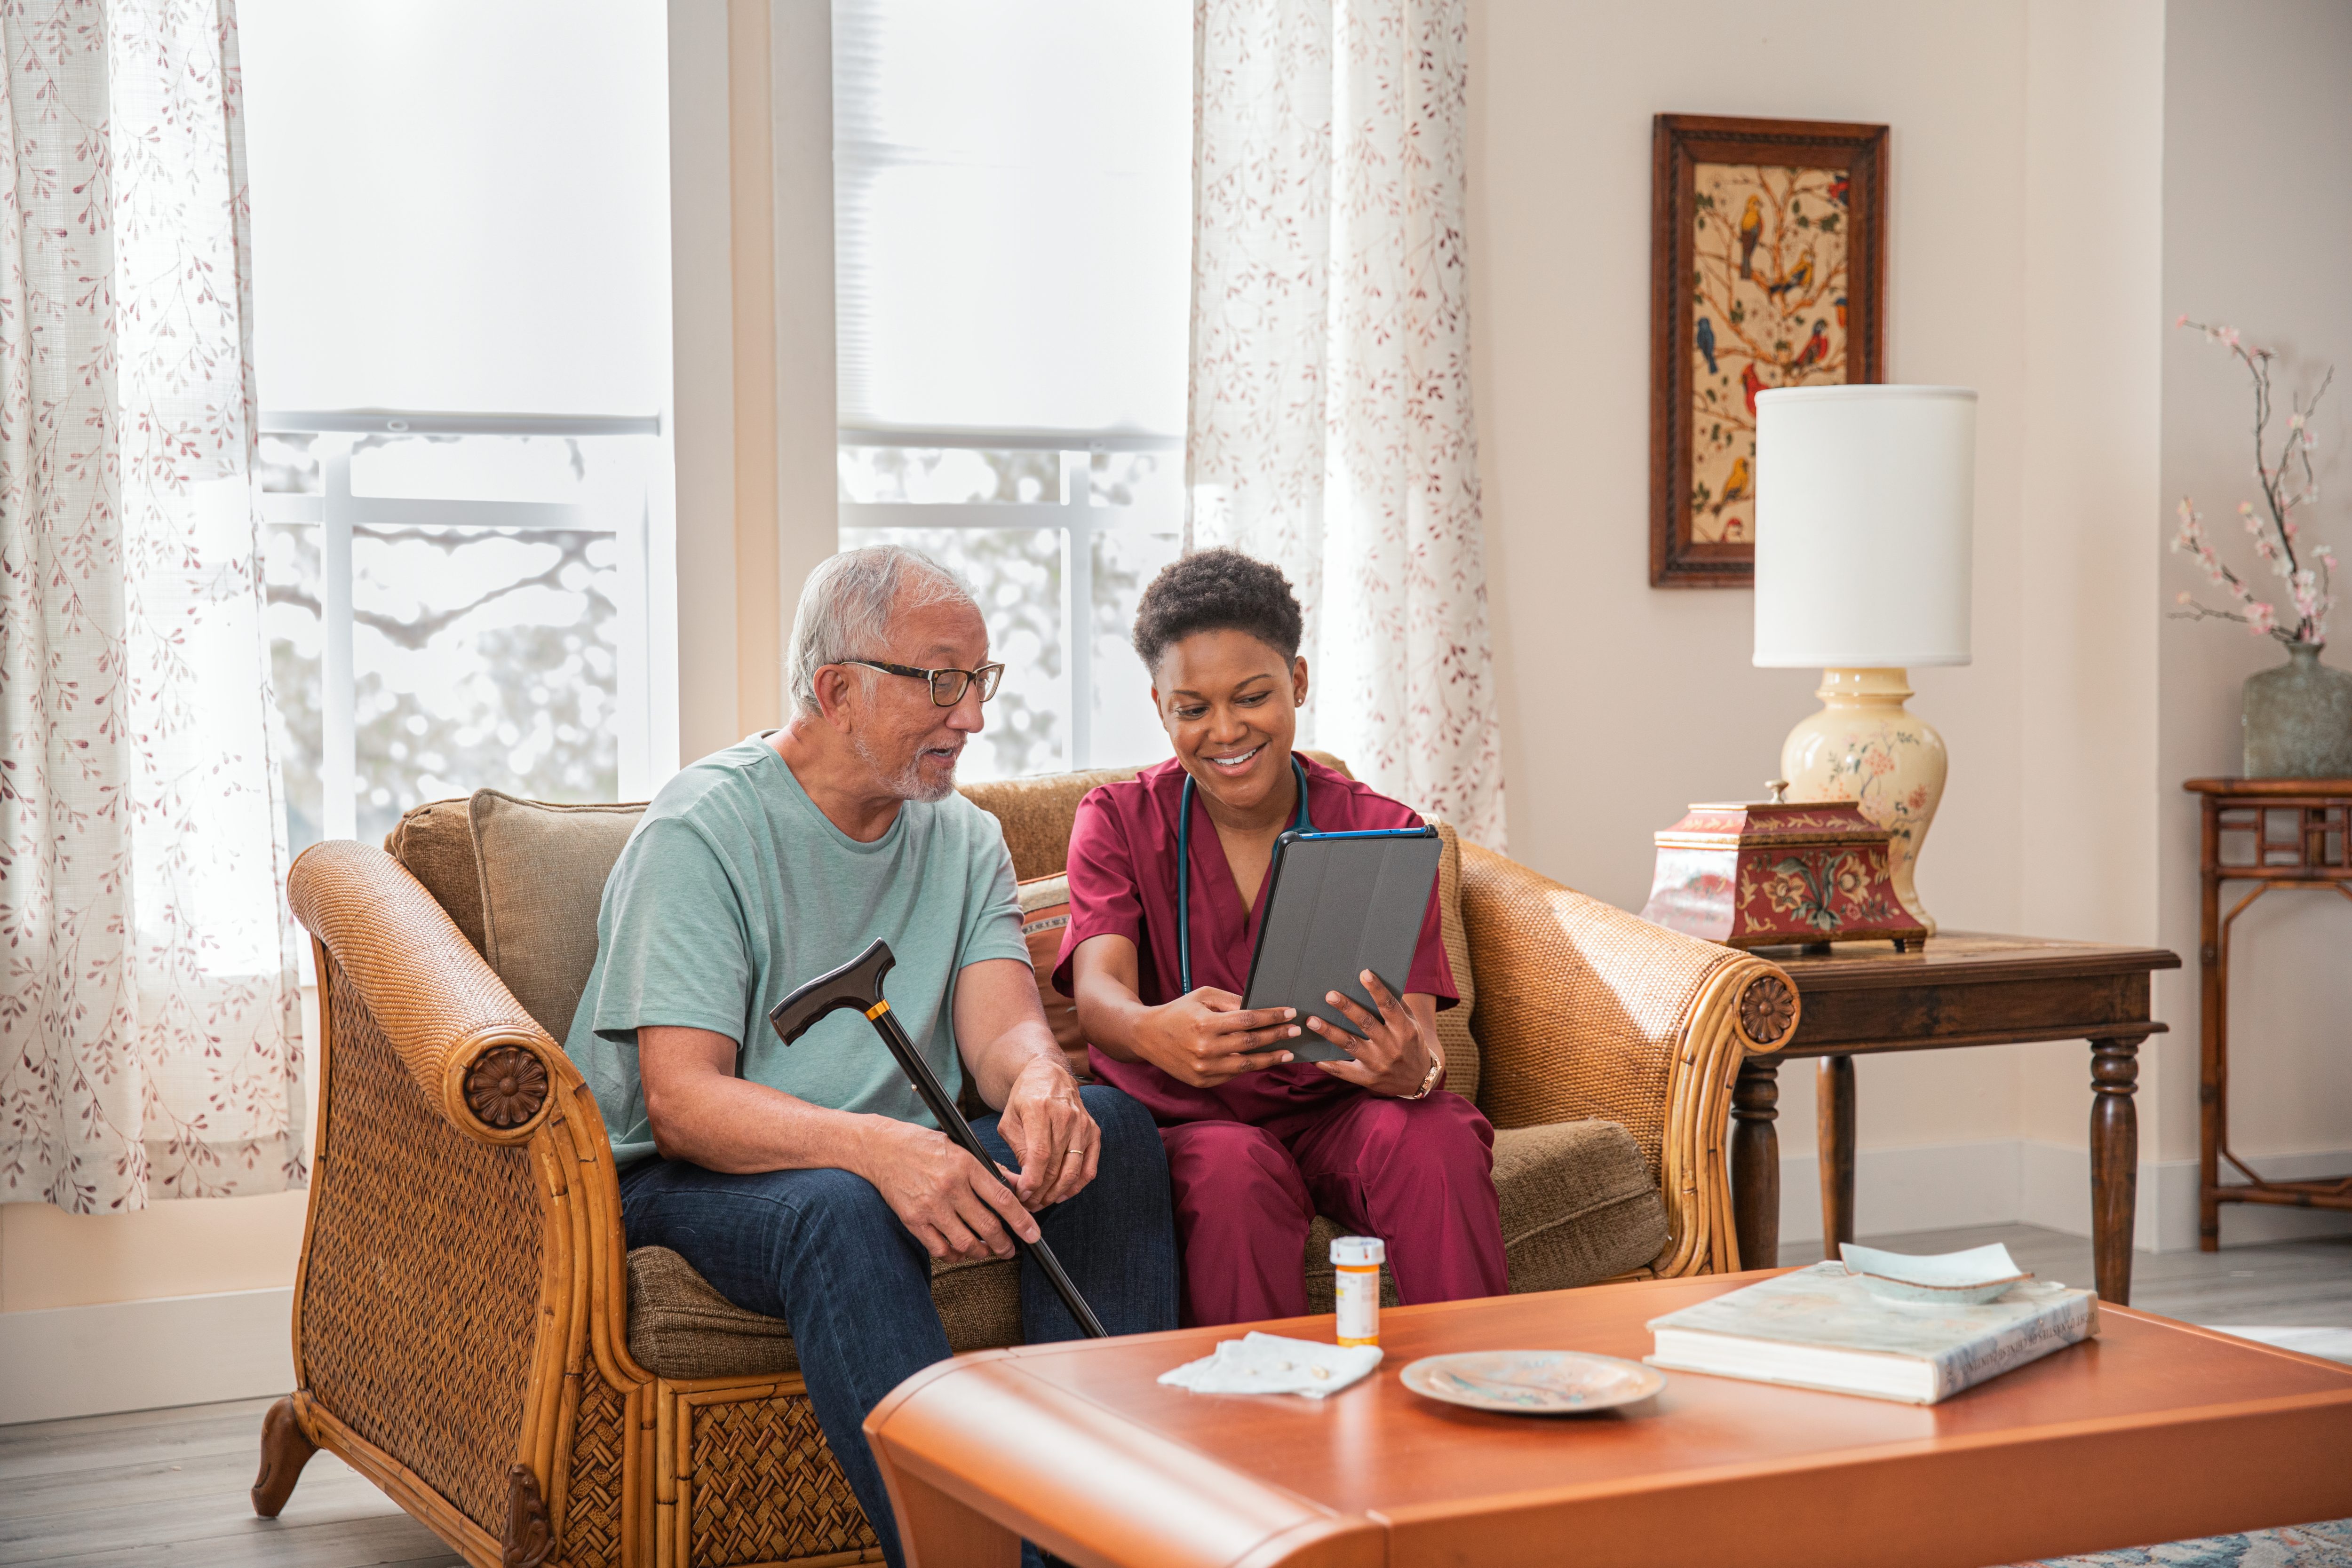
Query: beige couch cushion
541	868
434	844
1577	1209
1036	813
1579	1203
680	1327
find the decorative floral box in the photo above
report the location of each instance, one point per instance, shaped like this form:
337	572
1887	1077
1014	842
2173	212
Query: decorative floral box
1766	872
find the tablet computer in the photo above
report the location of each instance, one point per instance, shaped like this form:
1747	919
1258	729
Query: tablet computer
1336	904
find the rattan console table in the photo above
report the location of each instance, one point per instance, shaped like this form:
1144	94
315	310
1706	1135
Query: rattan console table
2275	833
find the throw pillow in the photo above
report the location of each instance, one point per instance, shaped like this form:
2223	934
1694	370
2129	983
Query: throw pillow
1453	1036
1045	914
543	869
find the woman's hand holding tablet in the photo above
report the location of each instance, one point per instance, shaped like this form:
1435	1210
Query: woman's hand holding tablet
1397	1050
1205	1038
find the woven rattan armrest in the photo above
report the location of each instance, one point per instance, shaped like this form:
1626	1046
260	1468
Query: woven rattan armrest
482	1062
1586	1011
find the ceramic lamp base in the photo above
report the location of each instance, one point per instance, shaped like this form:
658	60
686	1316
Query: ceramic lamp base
1865	746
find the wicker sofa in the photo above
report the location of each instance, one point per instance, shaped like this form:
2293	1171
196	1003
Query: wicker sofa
472	1332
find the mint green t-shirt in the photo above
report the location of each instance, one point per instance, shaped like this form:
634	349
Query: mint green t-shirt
735	889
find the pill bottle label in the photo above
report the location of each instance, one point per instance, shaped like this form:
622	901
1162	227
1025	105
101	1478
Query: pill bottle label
1358	1292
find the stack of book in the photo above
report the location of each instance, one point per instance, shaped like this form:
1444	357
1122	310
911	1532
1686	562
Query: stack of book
1824	1328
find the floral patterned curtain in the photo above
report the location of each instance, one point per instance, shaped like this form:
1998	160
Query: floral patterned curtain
1331	422
149	1015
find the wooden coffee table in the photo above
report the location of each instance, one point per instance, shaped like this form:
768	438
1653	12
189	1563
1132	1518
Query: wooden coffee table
2156	1431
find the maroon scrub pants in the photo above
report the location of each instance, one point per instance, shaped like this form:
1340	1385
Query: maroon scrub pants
1419	1174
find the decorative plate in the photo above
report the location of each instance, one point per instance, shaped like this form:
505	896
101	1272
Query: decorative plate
1969	1278
1532	1382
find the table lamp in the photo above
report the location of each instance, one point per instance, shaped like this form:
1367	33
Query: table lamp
1865	502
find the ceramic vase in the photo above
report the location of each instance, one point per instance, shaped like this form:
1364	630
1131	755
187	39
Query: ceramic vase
1865	746
2298	718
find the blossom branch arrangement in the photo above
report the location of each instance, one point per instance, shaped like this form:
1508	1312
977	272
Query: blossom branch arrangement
2289	486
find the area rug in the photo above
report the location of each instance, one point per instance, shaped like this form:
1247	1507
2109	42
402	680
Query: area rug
2327	1546
2296	1546
2331	1344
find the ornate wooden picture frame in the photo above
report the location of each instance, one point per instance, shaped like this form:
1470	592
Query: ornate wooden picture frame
1767	268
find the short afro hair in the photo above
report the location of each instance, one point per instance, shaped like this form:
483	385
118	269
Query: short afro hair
1217	590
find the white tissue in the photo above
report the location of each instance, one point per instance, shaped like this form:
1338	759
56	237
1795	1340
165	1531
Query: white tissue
1269	1364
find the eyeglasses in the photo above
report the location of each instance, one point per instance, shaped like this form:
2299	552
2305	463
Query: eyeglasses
948	686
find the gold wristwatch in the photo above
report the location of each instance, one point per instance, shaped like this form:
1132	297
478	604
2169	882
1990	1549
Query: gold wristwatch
1436	1066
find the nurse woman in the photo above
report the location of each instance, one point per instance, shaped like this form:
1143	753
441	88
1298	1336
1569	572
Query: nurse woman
1168	880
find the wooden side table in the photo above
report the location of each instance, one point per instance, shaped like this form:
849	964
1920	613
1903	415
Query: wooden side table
2275	833
1862	998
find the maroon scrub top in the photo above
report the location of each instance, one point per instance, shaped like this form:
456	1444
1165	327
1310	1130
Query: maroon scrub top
1123	883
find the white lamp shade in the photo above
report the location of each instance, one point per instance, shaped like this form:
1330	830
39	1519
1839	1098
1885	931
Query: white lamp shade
1866	508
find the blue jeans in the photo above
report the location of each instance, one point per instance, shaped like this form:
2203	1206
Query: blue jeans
822	1250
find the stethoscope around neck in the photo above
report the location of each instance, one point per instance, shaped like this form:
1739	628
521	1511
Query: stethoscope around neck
1300	823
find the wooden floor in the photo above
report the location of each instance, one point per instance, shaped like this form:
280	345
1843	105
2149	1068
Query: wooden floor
2282	1285
168	1487
157	1487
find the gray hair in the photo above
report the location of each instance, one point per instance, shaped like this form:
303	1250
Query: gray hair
847	605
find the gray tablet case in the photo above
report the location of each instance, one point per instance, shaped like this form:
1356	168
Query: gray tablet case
1340	904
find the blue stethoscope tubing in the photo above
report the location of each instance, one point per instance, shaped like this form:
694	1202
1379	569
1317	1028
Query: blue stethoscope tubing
1301	824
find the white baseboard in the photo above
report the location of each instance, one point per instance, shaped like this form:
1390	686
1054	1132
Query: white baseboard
2057	1188
1941	1188
145	1355
2019	1181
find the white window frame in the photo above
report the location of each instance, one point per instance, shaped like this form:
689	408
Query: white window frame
1075	516
629	517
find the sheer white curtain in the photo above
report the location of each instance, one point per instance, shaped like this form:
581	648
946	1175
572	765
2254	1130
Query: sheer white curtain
150	1036
1330	428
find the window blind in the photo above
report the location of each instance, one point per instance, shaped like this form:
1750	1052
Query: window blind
460	206
1012	213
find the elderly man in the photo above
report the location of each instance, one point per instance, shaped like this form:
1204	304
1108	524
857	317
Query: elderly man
809	1183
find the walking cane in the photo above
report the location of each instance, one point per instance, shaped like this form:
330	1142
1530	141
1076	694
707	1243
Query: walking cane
859	984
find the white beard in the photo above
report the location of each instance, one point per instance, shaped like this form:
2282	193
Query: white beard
906	782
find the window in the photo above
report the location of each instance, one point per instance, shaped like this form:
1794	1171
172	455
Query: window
462	599
433	634
1013	202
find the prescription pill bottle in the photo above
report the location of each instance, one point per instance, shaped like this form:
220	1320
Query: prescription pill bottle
1356	1277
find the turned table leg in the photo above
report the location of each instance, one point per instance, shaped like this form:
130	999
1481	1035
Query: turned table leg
1834	1099
2115	1164
1756	1163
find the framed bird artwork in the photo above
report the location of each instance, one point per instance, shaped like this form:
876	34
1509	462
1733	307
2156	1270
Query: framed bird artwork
1767	268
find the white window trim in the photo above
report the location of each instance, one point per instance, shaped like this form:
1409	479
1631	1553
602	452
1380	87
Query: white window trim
338	511
1075	516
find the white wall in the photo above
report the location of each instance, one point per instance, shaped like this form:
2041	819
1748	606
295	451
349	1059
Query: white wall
2085	586
2063	178
2257	229
1624	702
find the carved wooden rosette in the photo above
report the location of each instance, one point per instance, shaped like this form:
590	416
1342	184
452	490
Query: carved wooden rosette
1768	1012
506	1086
